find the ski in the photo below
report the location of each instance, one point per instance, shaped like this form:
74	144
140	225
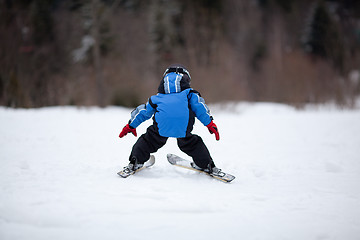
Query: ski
180	162
147	164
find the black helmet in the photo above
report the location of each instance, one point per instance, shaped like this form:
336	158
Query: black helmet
177	68
184	80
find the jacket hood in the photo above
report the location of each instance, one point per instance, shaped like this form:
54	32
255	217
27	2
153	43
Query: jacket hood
174	82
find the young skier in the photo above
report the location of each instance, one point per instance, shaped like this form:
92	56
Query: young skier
173	109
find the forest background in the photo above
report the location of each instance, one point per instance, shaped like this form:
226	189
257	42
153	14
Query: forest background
114	52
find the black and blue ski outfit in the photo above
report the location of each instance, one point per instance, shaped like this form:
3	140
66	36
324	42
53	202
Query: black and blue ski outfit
173	109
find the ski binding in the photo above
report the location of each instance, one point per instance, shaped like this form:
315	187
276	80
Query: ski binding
123	173
180	162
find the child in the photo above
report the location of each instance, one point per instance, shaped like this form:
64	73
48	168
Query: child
173	109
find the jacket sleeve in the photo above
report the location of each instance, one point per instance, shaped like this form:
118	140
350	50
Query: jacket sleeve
141	114
199	107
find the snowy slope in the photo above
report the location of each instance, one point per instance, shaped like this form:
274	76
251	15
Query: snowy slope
298	177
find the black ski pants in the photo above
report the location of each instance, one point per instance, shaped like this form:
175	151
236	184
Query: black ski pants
151	141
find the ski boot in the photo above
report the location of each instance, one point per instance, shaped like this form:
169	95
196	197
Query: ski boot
133	166
210	170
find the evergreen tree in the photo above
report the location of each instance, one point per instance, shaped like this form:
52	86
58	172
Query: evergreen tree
323	38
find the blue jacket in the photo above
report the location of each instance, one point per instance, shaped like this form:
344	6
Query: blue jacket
173	108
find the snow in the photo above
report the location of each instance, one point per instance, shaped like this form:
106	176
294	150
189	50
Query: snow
298	176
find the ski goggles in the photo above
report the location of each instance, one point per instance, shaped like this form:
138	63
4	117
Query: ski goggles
177	70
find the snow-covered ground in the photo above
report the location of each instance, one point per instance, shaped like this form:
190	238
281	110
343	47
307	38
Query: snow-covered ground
298	177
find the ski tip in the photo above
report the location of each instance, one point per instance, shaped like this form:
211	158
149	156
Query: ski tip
171	158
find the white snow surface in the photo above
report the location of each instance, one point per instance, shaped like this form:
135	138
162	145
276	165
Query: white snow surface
297	177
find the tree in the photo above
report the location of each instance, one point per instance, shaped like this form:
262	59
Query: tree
323	38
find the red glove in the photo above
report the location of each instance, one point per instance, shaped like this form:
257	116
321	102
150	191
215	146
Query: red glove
213	129
127	129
